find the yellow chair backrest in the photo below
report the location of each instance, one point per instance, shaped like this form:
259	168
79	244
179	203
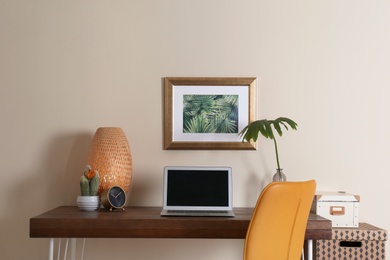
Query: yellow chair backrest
277	228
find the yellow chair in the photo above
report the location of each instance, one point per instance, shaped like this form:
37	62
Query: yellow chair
277	228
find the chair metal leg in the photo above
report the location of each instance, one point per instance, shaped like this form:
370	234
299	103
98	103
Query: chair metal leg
51	248
309	249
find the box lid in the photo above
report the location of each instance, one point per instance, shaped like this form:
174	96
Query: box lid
335	196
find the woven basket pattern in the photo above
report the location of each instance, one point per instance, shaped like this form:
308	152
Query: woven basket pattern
110	155
366	242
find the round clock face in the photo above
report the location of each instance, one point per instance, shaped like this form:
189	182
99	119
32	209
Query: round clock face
117	197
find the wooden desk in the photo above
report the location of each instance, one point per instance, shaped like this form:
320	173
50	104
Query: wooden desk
146	222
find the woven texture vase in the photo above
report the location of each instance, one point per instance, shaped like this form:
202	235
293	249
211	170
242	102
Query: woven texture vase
110	155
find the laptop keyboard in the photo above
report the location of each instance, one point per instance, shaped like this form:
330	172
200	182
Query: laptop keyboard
198	211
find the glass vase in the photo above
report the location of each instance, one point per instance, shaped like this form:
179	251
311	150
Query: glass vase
279	175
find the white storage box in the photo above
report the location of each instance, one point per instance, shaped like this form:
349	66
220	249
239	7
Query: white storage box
340	207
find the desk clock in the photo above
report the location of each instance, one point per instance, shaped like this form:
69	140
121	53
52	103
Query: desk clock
114	198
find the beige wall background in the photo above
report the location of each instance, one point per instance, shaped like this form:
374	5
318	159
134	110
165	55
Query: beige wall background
69	67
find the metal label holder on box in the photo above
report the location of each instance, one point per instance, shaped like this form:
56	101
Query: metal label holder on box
340	207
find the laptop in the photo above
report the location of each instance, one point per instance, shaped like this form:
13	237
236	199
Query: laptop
197	191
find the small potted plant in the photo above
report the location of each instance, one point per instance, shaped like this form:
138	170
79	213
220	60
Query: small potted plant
264	126
89	185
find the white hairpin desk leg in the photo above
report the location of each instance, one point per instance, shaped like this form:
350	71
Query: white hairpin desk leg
73	242
73	248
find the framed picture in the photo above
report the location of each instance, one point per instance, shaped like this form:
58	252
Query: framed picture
208	113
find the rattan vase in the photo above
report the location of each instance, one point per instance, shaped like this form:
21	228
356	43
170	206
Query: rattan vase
110	155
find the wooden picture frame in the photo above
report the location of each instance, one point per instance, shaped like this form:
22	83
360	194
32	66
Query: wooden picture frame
207	113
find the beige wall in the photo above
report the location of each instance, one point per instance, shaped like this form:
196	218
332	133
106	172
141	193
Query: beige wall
68	67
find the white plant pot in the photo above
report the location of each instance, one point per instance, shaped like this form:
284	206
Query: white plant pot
88	203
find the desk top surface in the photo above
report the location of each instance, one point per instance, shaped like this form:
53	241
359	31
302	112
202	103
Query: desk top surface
146	222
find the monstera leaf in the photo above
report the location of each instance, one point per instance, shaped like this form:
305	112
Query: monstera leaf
265	127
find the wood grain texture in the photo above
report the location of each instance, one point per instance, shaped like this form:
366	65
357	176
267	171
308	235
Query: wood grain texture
146	222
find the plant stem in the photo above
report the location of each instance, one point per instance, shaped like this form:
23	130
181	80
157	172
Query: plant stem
276	151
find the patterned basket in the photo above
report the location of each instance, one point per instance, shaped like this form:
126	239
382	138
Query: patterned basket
110	155
366	242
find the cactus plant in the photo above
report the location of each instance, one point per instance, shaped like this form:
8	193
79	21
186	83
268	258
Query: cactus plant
89	182
94	184
84	186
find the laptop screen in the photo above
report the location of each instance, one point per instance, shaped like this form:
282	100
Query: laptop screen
193	187
198	188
